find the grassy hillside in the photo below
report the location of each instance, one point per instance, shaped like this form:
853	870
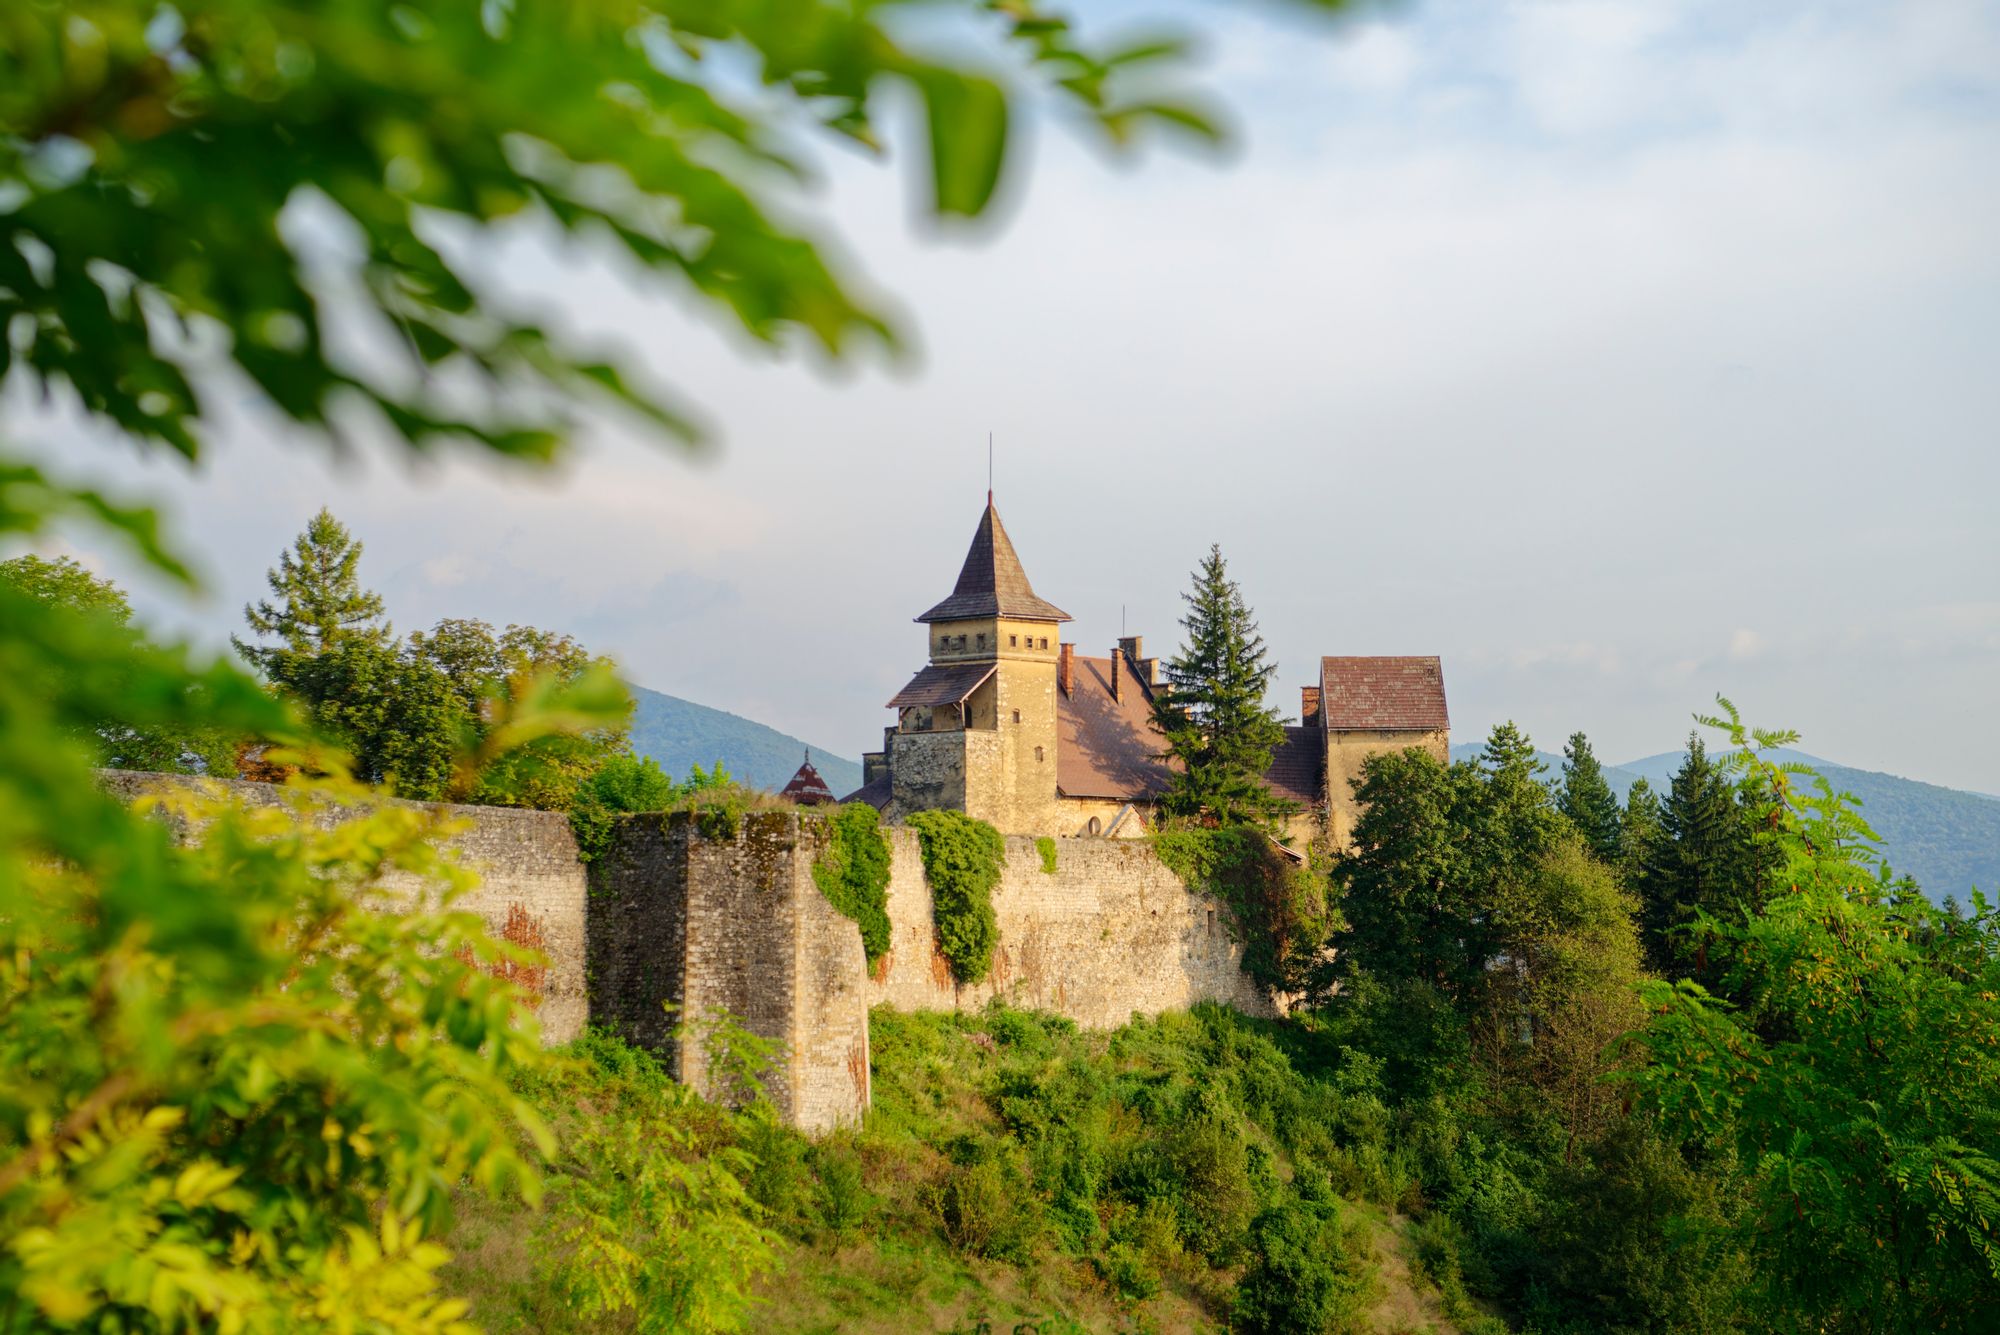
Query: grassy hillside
1190	1173
1948	840
680	734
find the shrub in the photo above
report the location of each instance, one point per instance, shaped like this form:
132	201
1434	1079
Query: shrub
1309	1274
1047	848
962	861
852	871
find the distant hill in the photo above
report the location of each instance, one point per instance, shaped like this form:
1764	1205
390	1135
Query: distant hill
1948	840
680	734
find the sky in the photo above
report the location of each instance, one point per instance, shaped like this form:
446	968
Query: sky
1619	353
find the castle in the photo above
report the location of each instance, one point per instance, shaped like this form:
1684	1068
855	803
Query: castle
1007	722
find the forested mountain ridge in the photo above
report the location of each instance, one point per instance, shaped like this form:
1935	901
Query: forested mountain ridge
680	734
1947	839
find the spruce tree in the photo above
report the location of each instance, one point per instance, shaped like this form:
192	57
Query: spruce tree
1212	712
320	604
1588	801
1702	862
1638	830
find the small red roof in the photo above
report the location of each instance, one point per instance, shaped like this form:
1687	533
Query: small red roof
1391	694
807	788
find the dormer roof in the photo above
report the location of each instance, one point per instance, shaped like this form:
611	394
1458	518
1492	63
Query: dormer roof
992	583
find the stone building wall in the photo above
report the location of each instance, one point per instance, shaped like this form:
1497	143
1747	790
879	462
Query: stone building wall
531	886
1347	750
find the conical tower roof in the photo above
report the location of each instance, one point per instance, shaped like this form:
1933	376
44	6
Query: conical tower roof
806	787
992	583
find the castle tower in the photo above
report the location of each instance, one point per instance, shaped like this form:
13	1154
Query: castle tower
976	729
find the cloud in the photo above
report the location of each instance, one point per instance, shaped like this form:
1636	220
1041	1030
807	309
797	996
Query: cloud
1568	340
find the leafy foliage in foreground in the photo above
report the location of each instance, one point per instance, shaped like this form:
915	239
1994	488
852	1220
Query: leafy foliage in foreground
1855	1081
242	1097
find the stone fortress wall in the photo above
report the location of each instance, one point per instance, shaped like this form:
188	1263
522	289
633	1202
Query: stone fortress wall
531	883
729	919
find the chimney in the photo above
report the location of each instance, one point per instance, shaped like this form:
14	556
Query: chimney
1149	671
1134	646
1309	705
1116	654
1065	666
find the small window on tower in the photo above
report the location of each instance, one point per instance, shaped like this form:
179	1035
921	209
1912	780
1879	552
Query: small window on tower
982	641
1038	753
1013	641
961	641
1044	644
1017	716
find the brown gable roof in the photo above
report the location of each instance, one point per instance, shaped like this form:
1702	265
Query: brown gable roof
807	788
943	685
876	793
992	582
1297	766
1107	747
1392	694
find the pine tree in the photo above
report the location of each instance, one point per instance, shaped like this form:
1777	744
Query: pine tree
1212	712
1638	830
320	602
1702	862
1588	801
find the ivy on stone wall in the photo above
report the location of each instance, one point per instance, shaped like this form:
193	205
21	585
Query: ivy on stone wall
852	871
1047	848
1283	909
962	861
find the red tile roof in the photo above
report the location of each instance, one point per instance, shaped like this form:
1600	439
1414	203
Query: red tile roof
1107	747
992	582
807	788
1391	694
1298	766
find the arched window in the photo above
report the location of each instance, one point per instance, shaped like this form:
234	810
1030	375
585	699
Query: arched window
1096	826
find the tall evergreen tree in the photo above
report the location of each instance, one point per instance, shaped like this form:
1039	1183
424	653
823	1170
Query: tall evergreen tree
320	603
1702	862
1638	830
1212	712
1586	798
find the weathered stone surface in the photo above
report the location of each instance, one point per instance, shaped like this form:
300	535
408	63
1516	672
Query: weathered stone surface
709	920
1111	934
531	883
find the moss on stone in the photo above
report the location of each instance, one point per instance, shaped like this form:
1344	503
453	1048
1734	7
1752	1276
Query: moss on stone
1047	848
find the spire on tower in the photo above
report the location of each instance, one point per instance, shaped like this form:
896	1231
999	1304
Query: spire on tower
992	582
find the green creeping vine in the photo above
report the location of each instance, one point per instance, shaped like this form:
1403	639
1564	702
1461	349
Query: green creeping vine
1047	848
852	871
1281	909
962	861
